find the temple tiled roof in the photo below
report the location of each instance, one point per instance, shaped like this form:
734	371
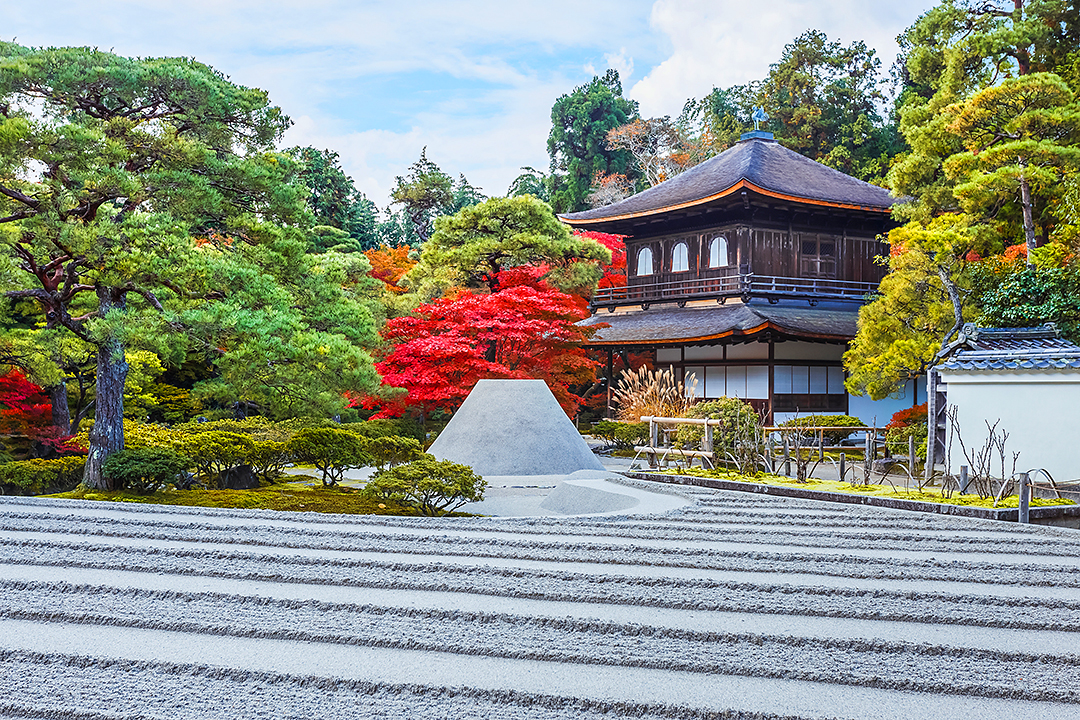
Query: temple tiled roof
1036	348
755	164
672	325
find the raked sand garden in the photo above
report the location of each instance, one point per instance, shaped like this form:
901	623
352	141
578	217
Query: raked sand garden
726	604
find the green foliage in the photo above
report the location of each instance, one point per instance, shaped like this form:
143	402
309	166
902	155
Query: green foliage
1012	294
903	327
622	435
423	194
335	202
434	487
167	222
145	470
822	101
741	426
171	404
897	439
215	452
1022	136
268	459
718	120
37	477
531	182
580	122
390	450
481	241
331	450
832	437
384	427
951	52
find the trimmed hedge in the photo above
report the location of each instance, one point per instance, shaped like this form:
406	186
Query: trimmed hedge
41	477
144	470
434	487
832	437
622	435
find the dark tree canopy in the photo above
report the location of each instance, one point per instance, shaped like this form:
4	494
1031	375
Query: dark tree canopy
580	122
335	202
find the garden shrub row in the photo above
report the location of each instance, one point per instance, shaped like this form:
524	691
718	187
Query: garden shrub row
622	435
38	477
213	449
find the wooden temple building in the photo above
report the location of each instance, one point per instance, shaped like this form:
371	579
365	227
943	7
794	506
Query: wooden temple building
748	271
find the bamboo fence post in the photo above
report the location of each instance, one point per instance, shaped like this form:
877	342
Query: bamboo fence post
707	445
911	455
1024	499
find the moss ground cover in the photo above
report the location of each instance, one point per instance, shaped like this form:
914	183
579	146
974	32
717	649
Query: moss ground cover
295	496
930	494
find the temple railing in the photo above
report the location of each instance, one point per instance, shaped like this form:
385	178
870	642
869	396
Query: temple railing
742	285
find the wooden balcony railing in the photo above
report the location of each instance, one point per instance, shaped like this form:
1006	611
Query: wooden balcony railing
736	284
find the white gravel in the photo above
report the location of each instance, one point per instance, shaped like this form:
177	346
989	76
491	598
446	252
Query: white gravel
730	606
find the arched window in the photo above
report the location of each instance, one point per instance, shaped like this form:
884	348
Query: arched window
718	256
644	261
680	258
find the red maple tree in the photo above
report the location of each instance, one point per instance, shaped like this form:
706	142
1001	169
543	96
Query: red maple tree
526	330
615	273
26	410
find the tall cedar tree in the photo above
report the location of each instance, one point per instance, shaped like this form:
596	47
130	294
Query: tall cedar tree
335	202
577	144
141	205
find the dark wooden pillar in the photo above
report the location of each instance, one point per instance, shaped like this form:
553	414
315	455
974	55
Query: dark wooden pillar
609	378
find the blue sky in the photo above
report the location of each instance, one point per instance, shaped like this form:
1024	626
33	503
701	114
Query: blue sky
473	80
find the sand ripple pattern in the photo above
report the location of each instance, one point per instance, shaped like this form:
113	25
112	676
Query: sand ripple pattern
735	607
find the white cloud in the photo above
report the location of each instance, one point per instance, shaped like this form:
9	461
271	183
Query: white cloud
473	80
622	62
719	43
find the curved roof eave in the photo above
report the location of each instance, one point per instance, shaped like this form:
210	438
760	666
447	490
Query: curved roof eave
742	184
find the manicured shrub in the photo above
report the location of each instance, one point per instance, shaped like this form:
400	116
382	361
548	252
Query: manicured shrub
144	470
268	459
897	439
216	452
386	427
741	426
832	437
38	477
331	450
622	435
392	450
434	487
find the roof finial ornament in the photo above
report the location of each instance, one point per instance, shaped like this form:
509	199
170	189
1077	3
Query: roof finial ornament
759	117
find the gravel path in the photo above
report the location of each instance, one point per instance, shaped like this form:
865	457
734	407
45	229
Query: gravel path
732	607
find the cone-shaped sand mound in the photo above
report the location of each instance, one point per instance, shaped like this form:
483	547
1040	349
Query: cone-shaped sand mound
514	427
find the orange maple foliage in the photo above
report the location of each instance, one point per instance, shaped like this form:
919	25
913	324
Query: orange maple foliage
390	265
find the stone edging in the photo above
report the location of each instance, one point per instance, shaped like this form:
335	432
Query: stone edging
1006	514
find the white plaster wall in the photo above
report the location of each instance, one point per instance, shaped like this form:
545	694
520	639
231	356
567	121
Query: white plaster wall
1040	410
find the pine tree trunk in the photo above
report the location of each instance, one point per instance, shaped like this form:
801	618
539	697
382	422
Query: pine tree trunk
107	437
1029	221
61	414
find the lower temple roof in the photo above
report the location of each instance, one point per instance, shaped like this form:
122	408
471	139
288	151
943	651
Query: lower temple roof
674	325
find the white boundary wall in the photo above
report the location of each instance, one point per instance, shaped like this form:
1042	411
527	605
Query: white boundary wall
1040	409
